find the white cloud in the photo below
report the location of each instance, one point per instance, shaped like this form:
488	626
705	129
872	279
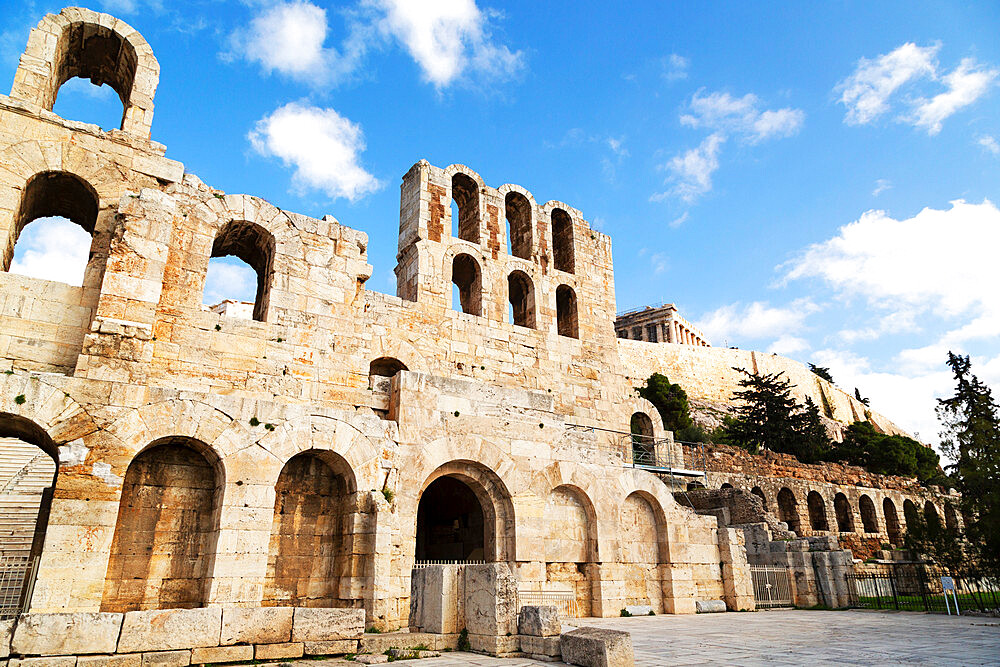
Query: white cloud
755	321
322	146
889	323
680	220
617	146
229	278
788	345
867	90
721	112
52	249
675	67
966	84
659	262
939	259
691	172
881	185
989	143
446	38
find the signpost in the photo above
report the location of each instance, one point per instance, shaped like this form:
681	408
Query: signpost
948	584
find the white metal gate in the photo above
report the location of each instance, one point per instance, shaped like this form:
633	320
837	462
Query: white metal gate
17	579
770	586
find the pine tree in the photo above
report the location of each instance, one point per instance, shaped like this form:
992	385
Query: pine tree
764	416
670	400
812	442
822	371
971	437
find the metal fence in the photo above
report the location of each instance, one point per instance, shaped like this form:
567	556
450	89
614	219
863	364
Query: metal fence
17	578
427	563
918	587
563	601
771	587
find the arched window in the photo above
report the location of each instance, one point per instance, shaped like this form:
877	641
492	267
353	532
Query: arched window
910	514
468	285
52	247
386	367
86	102
788	509
643	446
727	485
868	518
465	195
521	293
817	511
931	516
892	528
518	211
844	513
562	241
253	247
760	494
566	317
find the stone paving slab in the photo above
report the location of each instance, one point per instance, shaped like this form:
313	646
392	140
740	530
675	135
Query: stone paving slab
793	637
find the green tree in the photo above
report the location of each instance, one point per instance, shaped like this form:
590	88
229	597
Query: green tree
821	371
857	395
971	437
886	454
764	415
812	443
927	535
670	400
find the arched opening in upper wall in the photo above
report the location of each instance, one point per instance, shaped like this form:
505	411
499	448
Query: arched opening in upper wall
643	444
567	323
950	516
817	511
467	281
757	491
241	264
892	527
844	513
869	520
465	197
726	485
53	229
518	211
521	294
562	241
788	509
386	367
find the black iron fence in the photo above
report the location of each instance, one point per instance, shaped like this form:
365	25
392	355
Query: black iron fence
920	587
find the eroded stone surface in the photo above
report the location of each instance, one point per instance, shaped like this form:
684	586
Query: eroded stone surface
327	624
66	634
596	647
168	629
539	621
261	625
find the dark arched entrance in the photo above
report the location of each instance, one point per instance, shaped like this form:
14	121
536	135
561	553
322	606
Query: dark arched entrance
450	523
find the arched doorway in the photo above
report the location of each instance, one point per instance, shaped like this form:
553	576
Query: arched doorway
166	531
891	522
640	545
757	491
451	525
868	518
817	511
788	509
844	513
643	447
310	549
570	545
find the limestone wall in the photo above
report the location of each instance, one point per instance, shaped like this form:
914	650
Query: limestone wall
707	373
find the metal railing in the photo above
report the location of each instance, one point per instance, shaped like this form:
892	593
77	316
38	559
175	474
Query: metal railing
771	587
17	579
563	601
918	587
427	563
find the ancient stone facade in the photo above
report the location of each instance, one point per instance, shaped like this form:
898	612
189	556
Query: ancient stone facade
659	324
307	457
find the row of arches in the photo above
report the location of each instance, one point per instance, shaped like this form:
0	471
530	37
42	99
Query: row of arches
467	286
518	211
54	196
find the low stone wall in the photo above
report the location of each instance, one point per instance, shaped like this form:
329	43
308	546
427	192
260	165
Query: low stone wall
178	637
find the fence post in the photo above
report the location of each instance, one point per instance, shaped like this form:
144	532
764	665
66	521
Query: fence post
922	580
876	592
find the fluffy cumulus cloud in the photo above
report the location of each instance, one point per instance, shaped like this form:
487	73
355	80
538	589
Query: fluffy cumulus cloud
869	92
736	323
446	38
322	146
675	67
989	143
742	117
52	249
691	172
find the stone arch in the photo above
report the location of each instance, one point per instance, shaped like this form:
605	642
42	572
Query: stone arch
931	514
310	548
910	512
467	275
384	367
844	514
567	319
643	439
788	510
565	474
165	535
563	254
950	516
570	547
521	295
817	511
518	211
757	491
495	504
869	519
81	43
641	550
255	246
892	527
466	192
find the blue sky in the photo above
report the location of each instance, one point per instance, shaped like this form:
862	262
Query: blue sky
815	180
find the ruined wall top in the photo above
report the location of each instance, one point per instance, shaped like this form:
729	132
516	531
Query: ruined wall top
79	42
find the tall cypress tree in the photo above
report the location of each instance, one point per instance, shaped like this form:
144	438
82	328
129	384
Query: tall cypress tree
764	413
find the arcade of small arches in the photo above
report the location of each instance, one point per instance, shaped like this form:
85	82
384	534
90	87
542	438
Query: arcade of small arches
831	509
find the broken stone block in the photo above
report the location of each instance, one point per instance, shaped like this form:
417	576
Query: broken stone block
638	609
167	629
411	654
437	597
6	630
200	656
494	645
261	625
490	600
709	606
548	646
539	621
278	651
371	658
597	647
315	624
331	647
66	634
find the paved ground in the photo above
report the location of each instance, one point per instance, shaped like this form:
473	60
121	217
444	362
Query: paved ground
789	638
